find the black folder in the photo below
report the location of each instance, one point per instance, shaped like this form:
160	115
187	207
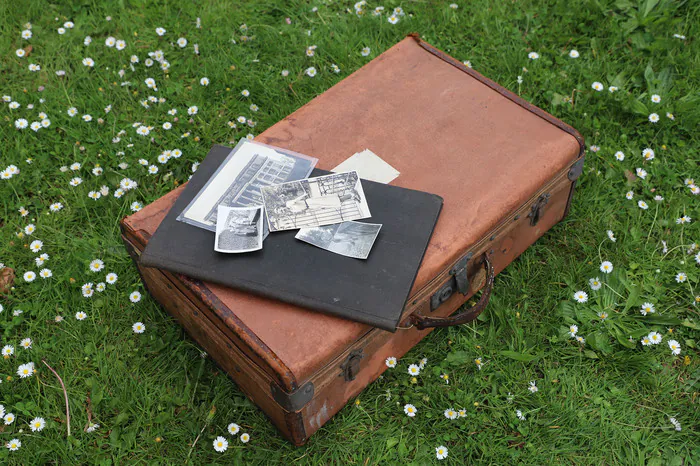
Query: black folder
372	291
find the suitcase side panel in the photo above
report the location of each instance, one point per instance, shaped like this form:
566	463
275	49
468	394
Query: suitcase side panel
251	379
332	390
209	304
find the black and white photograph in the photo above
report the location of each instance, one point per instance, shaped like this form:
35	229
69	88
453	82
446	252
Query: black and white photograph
314	202
350	239
238	181
239	229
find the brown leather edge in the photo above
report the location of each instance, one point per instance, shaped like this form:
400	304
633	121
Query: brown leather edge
237	326
502	90
295	428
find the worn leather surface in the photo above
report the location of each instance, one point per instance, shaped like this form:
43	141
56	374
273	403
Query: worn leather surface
446	133
371	291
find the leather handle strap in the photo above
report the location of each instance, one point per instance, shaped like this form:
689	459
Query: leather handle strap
423	322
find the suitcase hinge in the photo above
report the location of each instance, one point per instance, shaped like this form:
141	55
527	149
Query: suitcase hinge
576	170
457	282
295	400
351	366
537	209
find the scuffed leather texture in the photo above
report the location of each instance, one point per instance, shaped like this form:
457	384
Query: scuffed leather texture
446	133
371	291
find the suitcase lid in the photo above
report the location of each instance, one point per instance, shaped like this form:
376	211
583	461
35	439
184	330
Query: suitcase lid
448	131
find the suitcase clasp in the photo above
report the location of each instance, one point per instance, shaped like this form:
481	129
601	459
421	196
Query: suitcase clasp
537	209
351	366
458	281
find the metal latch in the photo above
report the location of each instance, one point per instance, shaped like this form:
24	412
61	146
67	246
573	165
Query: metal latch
351	366
458	281
576	170
537	209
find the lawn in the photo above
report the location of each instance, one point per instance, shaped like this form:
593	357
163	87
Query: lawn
524	390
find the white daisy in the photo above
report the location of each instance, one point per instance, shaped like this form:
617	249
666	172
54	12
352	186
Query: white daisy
233	428
654	117
450	413
21	123
25	370
9	418
7	351
573	330
675	347
310	71
37	424
182	42
574	54
245	438
365	51
595	283
533	387
14	444
89	62
681	277
138	327
192	110
647	308
135	297
606	267
413	369
581	296
160	31
390	362
121	45
410	410
641	173
656	98
110	41
643	205
441	452
80	315
648	154
29	276
135	206
45	273
597	86
36	245
220	443
533	55
654	338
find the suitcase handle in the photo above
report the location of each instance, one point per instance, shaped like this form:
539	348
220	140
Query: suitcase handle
423	322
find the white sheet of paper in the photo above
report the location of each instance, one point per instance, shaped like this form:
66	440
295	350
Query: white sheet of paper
369	166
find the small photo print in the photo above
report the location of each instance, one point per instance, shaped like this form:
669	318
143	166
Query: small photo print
239	229
237	182
350	239
314	202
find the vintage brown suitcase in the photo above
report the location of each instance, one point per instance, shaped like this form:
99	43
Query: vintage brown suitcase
505	169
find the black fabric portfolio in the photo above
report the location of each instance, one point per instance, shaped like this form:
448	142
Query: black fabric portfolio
372	291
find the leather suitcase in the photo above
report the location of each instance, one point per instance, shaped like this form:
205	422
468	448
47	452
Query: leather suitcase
505	169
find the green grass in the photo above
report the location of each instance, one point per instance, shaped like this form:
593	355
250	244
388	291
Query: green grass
153	394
